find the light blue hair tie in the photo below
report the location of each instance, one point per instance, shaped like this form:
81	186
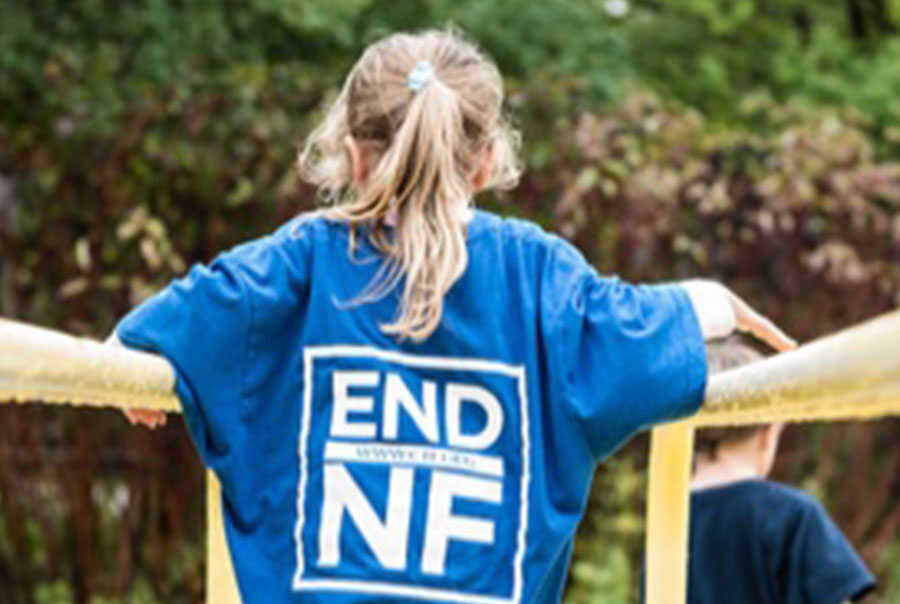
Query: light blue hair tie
421	76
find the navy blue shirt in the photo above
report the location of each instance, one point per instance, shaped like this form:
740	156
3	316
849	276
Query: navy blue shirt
356	467
758	542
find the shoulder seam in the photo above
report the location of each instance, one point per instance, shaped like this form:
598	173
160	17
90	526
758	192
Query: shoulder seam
247	299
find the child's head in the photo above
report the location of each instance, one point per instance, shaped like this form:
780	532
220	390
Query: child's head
417	129
755	444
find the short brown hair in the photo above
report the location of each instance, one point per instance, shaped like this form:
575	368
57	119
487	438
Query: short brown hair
721	357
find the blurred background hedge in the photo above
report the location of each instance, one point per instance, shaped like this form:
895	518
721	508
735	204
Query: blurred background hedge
752	141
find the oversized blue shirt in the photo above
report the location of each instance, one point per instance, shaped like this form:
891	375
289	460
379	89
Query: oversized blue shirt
359	468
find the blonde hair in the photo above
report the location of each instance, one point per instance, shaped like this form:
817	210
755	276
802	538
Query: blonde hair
427	143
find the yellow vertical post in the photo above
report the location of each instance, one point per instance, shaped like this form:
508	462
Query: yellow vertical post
665	580
221	587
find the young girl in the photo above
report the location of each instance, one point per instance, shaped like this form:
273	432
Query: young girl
404	398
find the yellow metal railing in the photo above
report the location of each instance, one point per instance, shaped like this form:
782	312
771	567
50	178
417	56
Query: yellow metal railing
43	365
853	374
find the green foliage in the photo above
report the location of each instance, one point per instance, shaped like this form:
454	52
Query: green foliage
889	565
712	54
608	549
58	592
602	574
534	39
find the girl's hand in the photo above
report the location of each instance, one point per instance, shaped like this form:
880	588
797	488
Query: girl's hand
151	418
750	321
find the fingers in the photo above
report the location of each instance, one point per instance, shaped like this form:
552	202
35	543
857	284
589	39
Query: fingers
150	418
752	322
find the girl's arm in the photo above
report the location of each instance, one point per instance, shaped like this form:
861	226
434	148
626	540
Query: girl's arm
720	312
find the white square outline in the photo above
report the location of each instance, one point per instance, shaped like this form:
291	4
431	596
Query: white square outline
310	354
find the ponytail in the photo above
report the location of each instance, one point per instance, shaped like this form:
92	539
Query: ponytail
430	136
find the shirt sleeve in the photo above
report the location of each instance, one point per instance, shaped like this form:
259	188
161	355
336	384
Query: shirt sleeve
623	356
200	323
715	313
826	565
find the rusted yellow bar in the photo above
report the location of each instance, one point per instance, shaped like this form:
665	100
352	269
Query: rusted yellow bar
39	364
43	365
854	374
220	581
665	577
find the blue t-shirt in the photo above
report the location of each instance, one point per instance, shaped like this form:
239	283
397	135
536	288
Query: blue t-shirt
359	468
757	542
